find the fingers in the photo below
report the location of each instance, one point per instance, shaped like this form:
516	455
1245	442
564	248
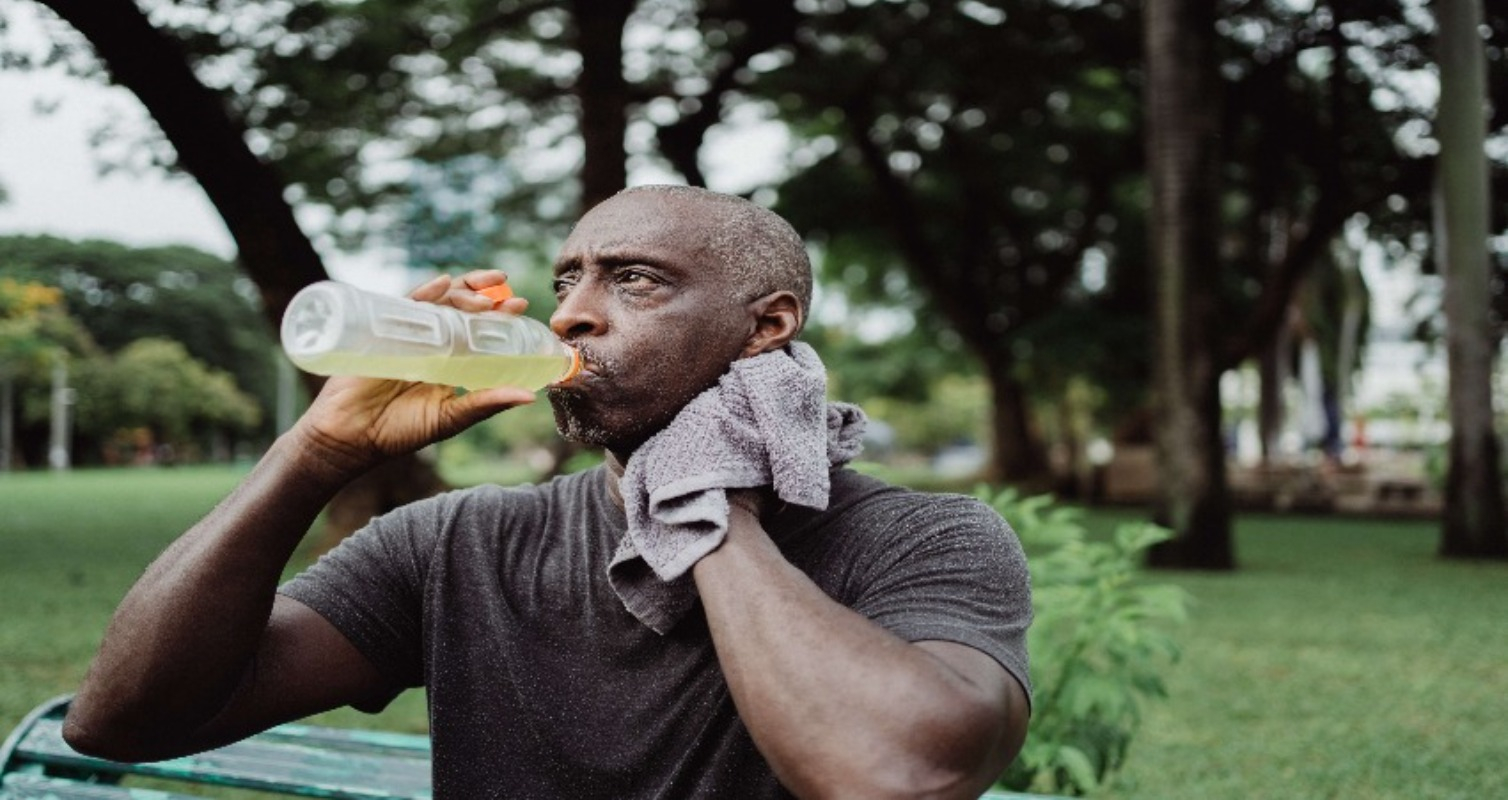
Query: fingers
462	292
432	290
514	305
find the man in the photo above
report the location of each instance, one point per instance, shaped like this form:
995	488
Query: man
872	649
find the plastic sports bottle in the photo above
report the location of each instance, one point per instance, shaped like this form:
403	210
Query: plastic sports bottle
334	328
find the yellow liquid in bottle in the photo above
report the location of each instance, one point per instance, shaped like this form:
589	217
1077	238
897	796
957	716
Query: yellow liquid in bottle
467	372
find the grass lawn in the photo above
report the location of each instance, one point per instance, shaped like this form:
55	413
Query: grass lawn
70	547
1343	660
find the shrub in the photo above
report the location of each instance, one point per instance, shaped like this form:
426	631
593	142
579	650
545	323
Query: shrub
1100	643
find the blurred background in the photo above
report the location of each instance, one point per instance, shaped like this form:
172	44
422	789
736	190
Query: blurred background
1231	267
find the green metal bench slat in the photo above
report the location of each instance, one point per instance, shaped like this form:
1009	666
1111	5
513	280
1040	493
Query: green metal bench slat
351	739
37	787
293	759
25	786
283	766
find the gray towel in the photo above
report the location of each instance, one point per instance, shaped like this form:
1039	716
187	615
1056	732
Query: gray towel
766	423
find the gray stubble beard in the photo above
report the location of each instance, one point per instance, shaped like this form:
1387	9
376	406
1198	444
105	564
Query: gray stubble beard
570	424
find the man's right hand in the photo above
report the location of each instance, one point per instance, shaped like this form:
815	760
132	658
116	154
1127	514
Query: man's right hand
355	423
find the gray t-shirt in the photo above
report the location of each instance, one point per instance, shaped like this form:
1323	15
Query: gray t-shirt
542	685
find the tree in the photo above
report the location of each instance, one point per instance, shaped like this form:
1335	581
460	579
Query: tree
1474	524
211	144
908	136
1016	206
1182	108
121	294
926	169
35	330
207	143
154	384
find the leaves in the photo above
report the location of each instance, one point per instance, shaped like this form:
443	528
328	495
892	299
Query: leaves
122	294
35	328
155	384
1100	641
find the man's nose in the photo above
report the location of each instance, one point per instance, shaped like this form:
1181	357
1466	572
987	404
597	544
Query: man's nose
579	312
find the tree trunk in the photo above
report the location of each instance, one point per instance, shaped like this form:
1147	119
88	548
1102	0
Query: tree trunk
395	483
1272	369
767	24
7	419
211	146
602	94
1182	125
1353	312
1018	454
247	193
1474	517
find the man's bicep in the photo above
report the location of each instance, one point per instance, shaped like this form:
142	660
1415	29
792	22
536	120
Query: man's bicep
303	666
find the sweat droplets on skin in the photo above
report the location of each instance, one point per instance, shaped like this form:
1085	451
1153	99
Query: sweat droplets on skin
750	245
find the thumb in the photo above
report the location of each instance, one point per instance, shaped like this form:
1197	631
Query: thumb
473	407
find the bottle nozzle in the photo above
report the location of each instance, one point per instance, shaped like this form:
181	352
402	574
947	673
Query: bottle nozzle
573	370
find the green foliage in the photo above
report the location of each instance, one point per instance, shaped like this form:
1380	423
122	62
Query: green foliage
1100	643
120	294
155	384
921	172
957	411
34	328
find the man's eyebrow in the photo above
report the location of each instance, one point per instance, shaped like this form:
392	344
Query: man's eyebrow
614	258
567	264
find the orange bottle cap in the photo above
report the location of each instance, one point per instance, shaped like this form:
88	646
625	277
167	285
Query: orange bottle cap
496	294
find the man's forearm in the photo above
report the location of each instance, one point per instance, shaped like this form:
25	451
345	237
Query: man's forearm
837	704
185	635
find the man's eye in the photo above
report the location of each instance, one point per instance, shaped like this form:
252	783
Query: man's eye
562	285
635	279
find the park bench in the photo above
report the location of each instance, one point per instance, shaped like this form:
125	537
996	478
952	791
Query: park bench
298	760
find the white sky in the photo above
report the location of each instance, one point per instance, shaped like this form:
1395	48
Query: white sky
50	175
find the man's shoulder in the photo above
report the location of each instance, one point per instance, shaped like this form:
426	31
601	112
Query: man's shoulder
490	505
570	486
856	493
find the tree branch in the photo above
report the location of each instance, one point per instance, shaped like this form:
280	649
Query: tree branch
211	146
769	25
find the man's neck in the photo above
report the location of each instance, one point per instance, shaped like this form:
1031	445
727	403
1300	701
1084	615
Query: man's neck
614	475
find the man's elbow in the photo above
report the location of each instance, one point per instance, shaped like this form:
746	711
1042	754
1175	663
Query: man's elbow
952	761
909	779
101	733
969	745
92	739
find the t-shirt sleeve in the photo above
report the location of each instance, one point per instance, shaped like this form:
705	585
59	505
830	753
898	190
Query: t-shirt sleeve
371	588
952	570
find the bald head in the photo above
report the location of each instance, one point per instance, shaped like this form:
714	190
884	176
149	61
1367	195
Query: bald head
759	251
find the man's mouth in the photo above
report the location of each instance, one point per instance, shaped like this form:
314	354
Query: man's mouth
593	365
592	370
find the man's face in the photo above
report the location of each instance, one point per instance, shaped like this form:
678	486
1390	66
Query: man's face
652	313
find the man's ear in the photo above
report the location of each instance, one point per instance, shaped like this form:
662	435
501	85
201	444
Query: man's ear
777	320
